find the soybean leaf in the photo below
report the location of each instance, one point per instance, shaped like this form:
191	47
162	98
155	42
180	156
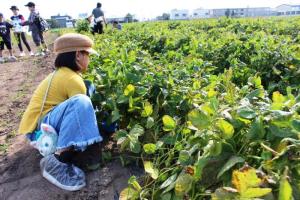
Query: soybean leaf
137	130
129	90
169	181
246	112
148	110
257	130
199	119
149	168
129	194
285	189
150	122
255	93
184	157
183	184
149	148
226	128
169	123
229	164
296	124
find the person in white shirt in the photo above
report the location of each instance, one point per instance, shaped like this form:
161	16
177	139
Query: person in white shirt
17	21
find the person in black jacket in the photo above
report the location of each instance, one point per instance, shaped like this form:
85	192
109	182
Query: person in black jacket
5	39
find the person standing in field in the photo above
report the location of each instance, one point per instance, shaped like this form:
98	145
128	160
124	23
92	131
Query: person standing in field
5	39
34	22
99	19
17	21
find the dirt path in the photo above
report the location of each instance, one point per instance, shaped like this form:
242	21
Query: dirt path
20	176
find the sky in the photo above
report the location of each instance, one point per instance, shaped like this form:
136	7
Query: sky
142	9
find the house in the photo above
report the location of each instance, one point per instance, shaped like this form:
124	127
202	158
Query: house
242	12
179	14
200	13
286	9
63	21
83	15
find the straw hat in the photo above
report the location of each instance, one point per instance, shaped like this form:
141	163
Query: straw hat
73	42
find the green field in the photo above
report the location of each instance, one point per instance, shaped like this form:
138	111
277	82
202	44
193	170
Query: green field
209	108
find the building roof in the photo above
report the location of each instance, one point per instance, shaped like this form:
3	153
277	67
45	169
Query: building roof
242	8
288	5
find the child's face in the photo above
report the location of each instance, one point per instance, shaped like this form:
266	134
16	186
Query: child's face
15	12
31	9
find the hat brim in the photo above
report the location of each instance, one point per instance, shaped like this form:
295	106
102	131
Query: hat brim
14	8
92	51
89	50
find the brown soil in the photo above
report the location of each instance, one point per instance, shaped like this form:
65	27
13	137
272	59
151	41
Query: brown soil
20	176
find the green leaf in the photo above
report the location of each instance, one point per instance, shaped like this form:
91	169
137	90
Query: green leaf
137	130
199	119
246	113
167	196
255	93
199	165
184	157
257	130
281	132
213	148
148	110
149	148
135	145
226	128
281	118
133	182
150	122
183	184
169	123
229	164
285	189
296	124
169	181
129	90
149	168
115	116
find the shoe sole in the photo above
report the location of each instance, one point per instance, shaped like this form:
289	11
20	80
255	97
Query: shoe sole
52	180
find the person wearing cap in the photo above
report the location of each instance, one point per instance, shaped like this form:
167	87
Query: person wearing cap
117	25
37	34
99	19
5	39
17	21
69	110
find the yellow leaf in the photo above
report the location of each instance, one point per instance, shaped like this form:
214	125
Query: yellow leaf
149	168
148	110
128	194
256	192
129	90
285	189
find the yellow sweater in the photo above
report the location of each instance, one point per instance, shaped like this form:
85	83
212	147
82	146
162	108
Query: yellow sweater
65	84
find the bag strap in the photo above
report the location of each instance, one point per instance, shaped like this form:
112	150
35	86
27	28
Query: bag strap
46	94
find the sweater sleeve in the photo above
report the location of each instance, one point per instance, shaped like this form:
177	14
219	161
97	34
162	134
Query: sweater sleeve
75	85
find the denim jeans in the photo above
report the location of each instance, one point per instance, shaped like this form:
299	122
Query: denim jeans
75	122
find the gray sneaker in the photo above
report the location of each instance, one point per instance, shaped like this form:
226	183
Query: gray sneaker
64	176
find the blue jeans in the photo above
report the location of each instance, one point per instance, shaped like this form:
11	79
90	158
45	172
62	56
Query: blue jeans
75	122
